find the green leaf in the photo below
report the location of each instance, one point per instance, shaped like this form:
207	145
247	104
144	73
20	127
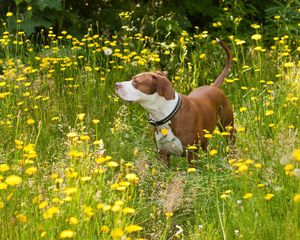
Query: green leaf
52	4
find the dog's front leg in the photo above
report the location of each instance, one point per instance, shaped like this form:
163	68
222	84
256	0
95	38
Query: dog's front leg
164	157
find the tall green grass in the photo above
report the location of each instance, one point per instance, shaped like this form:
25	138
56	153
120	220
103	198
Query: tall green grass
77	162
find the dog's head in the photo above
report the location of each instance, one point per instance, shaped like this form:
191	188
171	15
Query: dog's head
144	86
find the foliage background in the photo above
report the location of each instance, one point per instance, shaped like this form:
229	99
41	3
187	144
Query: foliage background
170	16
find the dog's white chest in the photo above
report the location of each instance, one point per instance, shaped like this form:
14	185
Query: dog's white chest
167	141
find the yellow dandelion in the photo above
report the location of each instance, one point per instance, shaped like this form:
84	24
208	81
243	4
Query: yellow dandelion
131	177
243	168
43	204
50	212
104	229
297	198
191	170
70	190
85	138
13	180
1	205
4	167
269	113
296	154
269	196
248	195
21	218
112	164
133	228
95	121
3	186
202	56
289	64
9	14
168	214
117	233
128	210
213	152
30	121
31	170
255	26
72	135
164	131
243	109
193	147
256	37
67	234
258	165
81	116
208	135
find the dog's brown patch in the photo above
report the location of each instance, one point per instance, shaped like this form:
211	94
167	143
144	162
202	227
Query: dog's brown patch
149	83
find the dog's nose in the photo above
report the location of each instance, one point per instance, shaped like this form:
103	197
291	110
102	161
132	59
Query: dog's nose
118	85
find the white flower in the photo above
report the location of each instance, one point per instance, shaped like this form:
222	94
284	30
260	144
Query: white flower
297	172
108	51
179	231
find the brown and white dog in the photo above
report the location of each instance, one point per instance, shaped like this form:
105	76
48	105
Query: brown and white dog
185	118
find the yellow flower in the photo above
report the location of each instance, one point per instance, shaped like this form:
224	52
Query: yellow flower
192	147
289	64
208	135
9	14
164	131
297	198
133	228
70	190
213	152
3	186
67	234
243	168
128	210
248	195
43	204
30	121
1	205
104	229
243	109
72	135
256	37
131	177
190	170
296	154
21	218
112	164
269	196
31	170
169	214
85	138
117	233
4	167
29	8
13	180
95	121
255	26
203	55
50	212
269	113
258	165
81	116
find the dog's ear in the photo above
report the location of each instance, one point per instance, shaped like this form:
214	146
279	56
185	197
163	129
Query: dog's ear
163	86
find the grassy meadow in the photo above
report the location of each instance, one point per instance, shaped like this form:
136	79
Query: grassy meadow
77	162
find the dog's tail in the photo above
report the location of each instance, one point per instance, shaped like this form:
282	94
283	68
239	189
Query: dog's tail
221	77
